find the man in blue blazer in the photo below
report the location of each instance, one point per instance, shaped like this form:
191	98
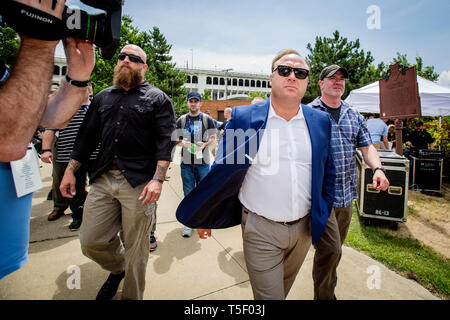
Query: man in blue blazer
274	175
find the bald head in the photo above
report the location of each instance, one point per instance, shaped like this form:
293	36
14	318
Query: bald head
134	49
227	113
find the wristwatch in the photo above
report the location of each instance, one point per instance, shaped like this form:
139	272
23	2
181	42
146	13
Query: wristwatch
379	168
76	83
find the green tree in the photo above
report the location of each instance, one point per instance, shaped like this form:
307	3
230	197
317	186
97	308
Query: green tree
161	71
206	95
253	95
9	45
425	72
339	50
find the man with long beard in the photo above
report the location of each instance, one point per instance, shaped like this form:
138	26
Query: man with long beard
133	121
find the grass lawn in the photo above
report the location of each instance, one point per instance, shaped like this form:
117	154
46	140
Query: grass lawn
407	256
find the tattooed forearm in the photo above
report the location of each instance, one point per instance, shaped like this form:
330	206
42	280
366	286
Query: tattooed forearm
161	169
73	165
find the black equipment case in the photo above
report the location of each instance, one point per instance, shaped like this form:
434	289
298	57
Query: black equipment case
391	204
426	170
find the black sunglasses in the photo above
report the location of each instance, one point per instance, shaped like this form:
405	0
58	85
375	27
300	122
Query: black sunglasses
132	57
285	71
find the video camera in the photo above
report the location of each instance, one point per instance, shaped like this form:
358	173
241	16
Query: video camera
102	29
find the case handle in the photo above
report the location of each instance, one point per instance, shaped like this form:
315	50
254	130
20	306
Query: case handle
395	191
371	189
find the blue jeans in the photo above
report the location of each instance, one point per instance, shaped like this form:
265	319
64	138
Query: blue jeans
14	223
191	175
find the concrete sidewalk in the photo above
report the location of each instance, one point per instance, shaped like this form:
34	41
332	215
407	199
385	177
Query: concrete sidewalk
180	268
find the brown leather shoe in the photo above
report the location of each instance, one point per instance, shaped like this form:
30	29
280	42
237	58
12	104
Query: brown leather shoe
55	215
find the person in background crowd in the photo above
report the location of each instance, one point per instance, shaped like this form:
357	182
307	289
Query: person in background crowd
227	115
378	132
198	133
391	136
59	157
420	138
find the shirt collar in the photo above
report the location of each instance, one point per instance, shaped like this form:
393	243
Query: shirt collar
344	105
272	113
85	106
141	88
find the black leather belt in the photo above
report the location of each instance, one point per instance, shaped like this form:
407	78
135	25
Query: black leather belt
287	223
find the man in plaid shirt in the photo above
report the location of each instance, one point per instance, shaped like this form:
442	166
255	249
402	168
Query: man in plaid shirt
349	132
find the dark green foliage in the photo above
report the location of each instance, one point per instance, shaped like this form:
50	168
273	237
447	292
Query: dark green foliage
9	45
425	72
339	50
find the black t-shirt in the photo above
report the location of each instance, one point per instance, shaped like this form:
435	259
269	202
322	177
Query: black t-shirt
420	139
334	112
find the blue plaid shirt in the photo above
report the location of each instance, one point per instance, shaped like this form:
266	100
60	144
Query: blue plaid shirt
347	135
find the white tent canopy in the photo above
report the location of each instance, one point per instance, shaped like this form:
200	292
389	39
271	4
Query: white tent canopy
434	98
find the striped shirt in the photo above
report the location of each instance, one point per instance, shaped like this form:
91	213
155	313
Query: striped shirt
346	135
67	136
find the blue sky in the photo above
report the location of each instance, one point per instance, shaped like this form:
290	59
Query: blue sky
245	35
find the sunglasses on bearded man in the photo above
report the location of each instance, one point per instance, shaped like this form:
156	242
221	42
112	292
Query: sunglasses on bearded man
132	57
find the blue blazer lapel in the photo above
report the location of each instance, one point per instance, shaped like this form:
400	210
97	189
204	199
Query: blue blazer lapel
258	123
260	111
311	123
249	125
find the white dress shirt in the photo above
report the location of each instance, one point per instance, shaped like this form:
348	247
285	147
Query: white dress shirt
277	185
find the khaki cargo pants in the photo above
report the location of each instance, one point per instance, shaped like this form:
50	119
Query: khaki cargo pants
112	206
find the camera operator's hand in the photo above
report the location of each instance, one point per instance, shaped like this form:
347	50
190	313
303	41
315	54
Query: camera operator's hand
24	95
80	56
46	6
80	63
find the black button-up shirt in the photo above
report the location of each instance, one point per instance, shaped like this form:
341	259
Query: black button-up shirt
134	128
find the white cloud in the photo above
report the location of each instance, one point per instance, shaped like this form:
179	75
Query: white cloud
204	59
444	78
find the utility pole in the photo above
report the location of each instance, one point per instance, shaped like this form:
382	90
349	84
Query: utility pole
226	81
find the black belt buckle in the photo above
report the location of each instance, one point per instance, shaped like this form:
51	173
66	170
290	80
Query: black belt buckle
290	223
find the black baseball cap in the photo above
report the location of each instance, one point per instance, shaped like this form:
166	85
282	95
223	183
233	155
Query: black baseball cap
331	70
194	95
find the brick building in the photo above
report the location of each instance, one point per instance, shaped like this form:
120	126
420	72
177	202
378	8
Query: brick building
218	106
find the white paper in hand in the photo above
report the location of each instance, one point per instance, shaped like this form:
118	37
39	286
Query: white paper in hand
26	174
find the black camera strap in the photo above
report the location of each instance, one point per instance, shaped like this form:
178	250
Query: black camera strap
31	22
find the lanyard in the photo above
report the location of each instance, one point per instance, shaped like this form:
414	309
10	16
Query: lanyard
192	128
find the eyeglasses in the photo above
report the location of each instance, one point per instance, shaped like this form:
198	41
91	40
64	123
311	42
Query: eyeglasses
132	57
285	71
